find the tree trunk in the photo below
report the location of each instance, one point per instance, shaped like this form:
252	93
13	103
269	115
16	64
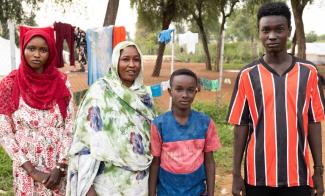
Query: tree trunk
167	16
111	12
297	9
204	42
254	48
218	56
300	36
293	44
157	68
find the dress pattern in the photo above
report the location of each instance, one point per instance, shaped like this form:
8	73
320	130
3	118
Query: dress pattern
42	137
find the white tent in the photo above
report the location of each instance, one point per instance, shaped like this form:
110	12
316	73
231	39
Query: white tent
5	59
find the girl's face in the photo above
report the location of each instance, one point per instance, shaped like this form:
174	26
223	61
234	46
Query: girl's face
129	65
36	53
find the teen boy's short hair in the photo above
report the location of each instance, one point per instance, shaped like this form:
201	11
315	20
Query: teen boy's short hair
182	71
274	9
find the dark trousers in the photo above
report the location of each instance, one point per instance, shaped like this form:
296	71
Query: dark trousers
63	32
277	191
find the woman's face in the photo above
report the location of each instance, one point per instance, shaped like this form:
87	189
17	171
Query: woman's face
129	65
36	53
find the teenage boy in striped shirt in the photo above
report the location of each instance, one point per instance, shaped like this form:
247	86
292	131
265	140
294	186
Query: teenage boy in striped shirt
276	107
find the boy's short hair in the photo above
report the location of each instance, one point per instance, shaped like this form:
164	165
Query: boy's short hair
274	9
182	71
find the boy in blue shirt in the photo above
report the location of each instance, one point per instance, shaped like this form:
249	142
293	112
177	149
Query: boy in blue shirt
182	143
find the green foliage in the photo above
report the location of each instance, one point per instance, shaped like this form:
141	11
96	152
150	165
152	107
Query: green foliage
20	12
223	156
236	54
6	172
217	113
311	37
321	38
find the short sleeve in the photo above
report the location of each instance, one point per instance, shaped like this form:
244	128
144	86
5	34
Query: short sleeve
238	113
155	141
212	141
316	106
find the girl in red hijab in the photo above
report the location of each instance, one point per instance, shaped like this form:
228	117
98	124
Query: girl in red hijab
36	118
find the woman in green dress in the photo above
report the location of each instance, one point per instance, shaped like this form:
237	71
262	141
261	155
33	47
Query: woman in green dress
110	152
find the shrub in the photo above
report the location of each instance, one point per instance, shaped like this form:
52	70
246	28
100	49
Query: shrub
223	156
5	172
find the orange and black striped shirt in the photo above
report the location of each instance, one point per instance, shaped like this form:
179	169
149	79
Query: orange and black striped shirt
277	110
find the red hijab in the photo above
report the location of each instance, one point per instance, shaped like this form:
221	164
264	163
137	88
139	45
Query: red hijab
40	91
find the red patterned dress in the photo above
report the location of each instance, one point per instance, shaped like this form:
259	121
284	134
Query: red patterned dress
42	137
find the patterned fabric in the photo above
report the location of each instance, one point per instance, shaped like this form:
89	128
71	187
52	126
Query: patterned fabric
81	46
42	137
277	110
111	140
181	150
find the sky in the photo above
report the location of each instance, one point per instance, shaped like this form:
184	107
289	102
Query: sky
86	14
90	14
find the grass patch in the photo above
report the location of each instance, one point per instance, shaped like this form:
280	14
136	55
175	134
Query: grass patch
223	156
5	172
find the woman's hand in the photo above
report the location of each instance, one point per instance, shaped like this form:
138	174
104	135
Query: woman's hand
91	191
39	176
54	179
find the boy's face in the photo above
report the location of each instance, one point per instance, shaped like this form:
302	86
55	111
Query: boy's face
274	32
183	90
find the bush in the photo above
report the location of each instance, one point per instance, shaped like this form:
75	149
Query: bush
5	172
223	156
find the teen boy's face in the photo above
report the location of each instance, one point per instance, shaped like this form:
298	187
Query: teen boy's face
183	91
274	32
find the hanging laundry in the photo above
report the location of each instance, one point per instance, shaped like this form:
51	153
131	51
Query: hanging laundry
164	85
81	47
99	52
206	83
165	36
214	85
23	29
119	35
156	90
189	39
64	31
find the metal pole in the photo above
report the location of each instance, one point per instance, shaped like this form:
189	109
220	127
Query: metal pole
221	59
172	65
11	27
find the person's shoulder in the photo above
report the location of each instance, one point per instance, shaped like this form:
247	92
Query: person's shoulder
200	116
9	80
306	63
246	68
250	65
161	118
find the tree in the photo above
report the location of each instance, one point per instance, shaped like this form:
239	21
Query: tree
111	12
199	10
13	10
158	13
223	5
297	9
311	37
242	27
